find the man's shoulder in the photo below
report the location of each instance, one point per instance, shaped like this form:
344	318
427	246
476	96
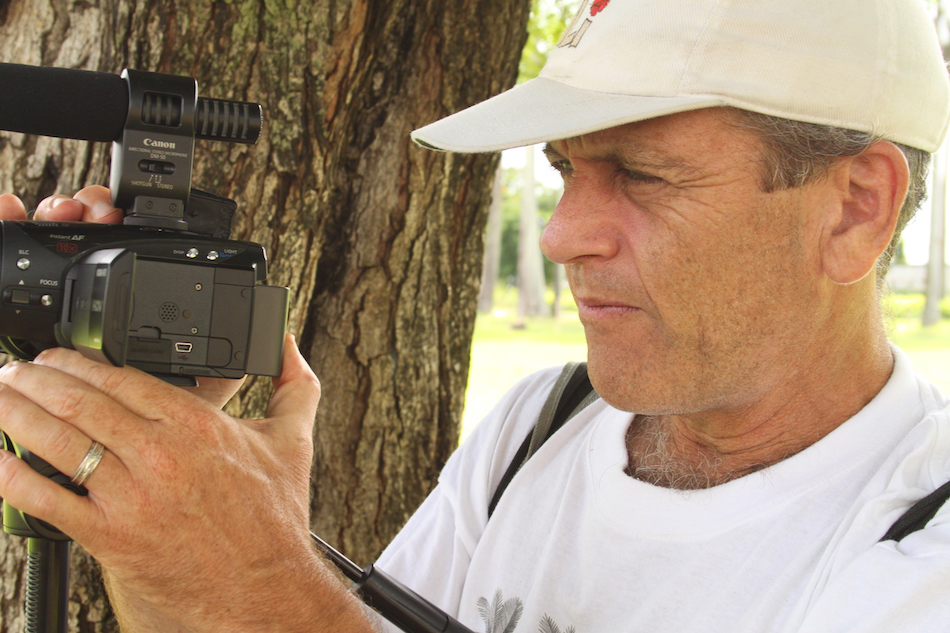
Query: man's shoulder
917	469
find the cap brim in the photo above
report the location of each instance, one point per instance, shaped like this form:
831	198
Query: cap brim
542	110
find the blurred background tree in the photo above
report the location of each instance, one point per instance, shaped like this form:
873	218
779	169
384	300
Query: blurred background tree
936	261
512	254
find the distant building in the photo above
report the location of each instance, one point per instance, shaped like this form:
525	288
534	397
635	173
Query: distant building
904	278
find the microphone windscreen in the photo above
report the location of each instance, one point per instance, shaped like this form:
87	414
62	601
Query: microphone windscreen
63	102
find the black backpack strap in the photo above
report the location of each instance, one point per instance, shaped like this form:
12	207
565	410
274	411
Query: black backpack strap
571	393
918	515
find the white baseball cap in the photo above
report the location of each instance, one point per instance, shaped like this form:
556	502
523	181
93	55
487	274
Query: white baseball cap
869	65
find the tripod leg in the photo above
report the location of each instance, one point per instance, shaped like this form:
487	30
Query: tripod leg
47	592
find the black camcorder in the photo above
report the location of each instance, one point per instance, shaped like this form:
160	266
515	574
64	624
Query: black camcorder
166	291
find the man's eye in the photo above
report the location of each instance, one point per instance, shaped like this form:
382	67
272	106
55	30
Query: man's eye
638	177
563	166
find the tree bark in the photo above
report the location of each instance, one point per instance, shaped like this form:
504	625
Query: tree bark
379	241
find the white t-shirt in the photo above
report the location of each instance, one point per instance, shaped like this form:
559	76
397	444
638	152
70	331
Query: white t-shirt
577	545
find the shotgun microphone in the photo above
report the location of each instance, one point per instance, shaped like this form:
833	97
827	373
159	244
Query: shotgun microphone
94	106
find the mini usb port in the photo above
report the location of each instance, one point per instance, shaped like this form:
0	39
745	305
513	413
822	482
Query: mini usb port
182	348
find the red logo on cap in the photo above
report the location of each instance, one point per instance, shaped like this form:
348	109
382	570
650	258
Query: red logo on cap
598	6
572	36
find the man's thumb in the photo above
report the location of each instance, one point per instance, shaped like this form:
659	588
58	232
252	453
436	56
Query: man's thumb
297	389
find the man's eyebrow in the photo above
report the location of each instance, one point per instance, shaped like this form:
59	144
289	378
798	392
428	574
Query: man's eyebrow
551	154
637	158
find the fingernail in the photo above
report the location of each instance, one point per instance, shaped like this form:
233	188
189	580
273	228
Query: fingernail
101	209
58	201
8	367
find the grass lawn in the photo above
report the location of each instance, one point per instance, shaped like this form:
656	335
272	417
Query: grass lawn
503	355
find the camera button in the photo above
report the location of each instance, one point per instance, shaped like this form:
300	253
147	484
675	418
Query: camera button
20	297
23	263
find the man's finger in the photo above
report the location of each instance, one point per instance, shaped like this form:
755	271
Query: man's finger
11	207
98	207
57	416
62	445
28	491
132	397
296	390
91	204
59	208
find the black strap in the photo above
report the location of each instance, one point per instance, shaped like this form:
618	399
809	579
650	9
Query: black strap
578	388
918	515
569	401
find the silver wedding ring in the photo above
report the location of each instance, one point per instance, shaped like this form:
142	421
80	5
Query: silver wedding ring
88	463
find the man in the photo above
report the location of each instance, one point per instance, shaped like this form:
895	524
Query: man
756	435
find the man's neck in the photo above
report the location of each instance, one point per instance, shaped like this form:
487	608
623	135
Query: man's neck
664	456
706	449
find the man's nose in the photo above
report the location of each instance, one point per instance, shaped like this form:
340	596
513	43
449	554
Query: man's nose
581	226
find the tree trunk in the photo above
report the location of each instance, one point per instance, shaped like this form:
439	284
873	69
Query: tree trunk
936	263
492	260
380	242
530	264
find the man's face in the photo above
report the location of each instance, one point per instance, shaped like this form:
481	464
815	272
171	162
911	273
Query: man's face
697	290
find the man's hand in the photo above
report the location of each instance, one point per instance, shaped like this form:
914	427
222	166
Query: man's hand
92	204
199	519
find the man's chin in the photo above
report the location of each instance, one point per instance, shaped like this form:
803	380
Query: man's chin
640	387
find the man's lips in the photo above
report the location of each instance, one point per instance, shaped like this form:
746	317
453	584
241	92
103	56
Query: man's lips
592	308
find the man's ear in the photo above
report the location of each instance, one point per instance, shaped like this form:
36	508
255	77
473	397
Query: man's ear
872	187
